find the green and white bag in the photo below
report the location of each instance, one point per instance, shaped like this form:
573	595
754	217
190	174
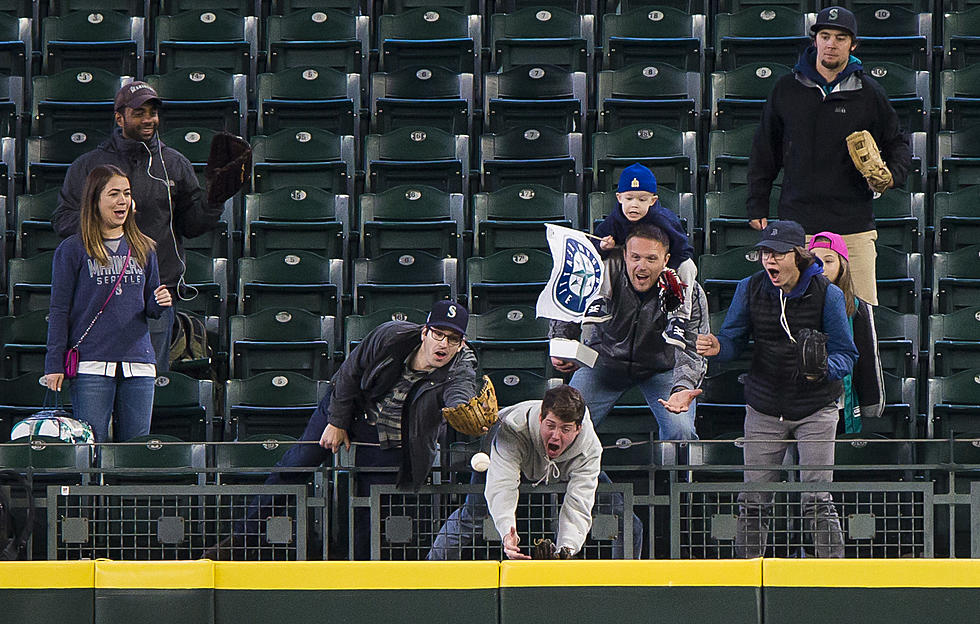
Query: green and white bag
53	423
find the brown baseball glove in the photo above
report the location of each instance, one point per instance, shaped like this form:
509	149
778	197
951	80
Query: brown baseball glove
867	159
545	549
229	166
475	417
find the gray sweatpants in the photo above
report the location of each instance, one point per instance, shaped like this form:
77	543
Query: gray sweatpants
755	508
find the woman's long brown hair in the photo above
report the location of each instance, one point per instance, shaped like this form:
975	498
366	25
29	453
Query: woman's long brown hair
90	224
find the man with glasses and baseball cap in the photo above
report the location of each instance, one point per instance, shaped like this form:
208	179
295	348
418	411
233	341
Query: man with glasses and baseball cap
803	348
387	399
169	202
804	133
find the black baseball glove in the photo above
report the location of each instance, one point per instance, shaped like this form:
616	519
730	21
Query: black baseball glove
811	355
229	166
545	549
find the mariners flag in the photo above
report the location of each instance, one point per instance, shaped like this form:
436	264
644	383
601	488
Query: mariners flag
576	275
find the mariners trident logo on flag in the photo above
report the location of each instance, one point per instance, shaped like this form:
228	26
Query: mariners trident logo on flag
576	275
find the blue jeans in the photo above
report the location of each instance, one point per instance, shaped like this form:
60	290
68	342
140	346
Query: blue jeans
467	522
97	398
160	334
601	390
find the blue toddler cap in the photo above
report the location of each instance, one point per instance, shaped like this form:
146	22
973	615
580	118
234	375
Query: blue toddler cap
636	177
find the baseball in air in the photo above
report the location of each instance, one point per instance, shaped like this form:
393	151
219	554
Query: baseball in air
480	462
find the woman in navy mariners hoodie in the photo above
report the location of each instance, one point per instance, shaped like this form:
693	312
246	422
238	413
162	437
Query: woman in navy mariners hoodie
116	367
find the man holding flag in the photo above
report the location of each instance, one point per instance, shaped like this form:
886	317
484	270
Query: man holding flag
630	344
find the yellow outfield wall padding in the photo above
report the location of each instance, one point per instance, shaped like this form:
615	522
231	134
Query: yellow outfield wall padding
871	573
47	574
154	574
378	575
578	573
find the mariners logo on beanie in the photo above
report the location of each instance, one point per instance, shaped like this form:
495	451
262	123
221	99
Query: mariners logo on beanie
636	177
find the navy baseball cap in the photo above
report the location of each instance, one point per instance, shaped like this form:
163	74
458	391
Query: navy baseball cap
836	17
134	95
636	177
446	314
782	236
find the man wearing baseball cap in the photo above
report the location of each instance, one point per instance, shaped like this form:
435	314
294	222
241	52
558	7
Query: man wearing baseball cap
803	348
169	202
386	398
803	132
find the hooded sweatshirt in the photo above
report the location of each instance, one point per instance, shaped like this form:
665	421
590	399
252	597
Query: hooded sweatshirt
517	451
803	132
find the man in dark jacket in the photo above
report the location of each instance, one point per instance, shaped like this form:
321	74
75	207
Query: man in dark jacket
804	126
170	204
631	346
782	401
386	399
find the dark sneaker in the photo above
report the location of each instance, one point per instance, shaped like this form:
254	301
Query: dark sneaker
598	311
675	333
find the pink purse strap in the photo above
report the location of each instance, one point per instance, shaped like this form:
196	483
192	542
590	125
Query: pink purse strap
112	292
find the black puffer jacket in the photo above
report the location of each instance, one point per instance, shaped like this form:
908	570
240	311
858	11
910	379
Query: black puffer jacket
192	215
371	370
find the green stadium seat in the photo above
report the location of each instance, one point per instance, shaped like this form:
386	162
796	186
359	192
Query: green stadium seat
403	280
239	463
510	337
681	204
134	8
394	7
275	402
769	34
738	95
11	106
959	97
653	35
203	97
214	38
73	98
152	458
719	275
175	7
896	34
539	155
954	342
303	157
287	339
309	97
515	217
29	283
422	95
956	219
900	220
22	396
416	155
899	277
23	343
33	228
536	35
959	158
952	403
649	92
514	386
721	407
87	40
728	157
48	156
15	44
291	279
507	278
357	326
900	416
671	155
303	217
531	96
430	36
184	408
318	36
411	217
726	220
960	44
955	279
898	341
207	278
908	91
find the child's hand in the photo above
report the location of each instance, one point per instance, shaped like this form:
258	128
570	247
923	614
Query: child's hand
607	243
162	296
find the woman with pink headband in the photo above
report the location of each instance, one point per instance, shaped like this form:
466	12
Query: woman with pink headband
864	391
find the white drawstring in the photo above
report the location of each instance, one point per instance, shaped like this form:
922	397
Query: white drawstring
551	471
782	316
